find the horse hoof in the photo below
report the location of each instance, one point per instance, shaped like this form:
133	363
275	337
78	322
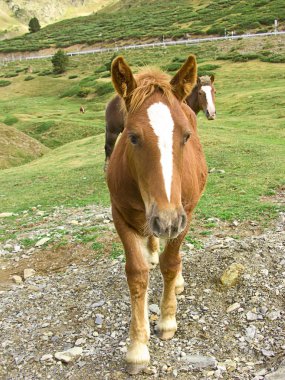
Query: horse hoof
179	289
135	368
166	335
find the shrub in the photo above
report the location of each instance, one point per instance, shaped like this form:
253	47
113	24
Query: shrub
44	73
209	67
34	25
29	77
275	58
173	66
103	88
84	91
60	62
10	120
4	83
72	91
11	75
72	76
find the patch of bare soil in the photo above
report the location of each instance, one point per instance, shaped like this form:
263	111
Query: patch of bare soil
277	198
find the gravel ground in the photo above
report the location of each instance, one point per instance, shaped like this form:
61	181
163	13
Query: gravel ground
71	292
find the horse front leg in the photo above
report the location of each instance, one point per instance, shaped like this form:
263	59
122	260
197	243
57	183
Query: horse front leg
173	283
137	271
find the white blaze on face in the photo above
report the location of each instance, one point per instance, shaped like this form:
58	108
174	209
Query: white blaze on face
162	123
209	97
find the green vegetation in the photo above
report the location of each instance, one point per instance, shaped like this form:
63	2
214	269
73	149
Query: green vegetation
130	21
4	83
246	140
59	62
16	148
29	77
34	25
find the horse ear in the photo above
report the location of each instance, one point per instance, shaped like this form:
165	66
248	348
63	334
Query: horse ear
185	79
212	78
122	78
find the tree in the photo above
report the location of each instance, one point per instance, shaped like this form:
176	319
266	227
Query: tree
34	25
60	62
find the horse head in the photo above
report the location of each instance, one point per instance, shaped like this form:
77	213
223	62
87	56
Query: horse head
206	95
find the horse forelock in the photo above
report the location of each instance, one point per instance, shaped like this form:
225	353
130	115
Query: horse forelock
148	82
205	80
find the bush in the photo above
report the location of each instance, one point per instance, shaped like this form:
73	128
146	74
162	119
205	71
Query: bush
103	88
11	75
275	58
44	73
173	66
10	120
34	25
84	91
209	67
29	77
60	62
4	83
72	76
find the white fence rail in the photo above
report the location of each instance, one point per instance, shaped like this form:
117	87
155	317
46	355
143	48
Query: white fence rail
11	57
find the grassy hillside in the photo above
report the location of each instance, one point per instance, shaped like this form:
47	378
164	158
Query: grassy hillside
246	140
151	20
16	148
15	15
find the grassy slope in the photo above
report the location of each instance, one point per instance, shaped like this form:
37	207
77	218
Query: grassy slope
131	21
247	141
16	148
41	111
11	25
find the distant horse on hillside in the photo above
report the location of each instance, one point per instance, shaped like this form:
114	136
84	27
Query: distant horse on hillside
155	176
202	97
82	109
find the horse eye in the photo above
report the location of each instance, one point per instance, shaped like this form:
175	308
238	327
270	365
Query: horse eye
134	139
186	137
200	92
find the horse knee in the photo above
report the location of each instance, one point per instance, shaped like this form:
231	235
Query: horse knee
137	280
170	267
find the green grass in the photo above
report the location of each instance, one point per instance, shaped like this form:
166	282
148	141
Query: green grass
70	175
246	140
130	21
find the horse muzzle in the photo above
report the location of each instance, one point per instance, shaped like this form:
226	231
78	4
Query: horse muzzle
211	115
167	224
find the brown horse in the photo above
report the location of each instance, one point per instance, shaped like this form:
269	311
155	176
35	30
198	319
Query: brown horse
82	109
202	97
156	175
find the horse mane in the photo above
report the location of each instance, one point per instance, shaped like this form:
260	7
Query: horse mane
149	81
205	80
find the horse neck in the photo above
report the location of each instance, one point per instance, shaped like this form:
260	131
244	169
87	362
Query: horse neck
192	100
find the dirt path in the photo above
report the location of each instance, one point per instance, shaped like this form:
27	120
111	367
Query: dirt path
78	297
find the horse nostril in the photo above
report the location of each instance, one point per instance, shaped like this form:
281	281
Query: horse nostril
207	113
155	225
183	221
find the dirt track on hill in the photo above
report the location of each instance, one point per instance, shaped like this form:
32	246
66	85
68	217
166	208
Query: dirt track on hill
79	297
